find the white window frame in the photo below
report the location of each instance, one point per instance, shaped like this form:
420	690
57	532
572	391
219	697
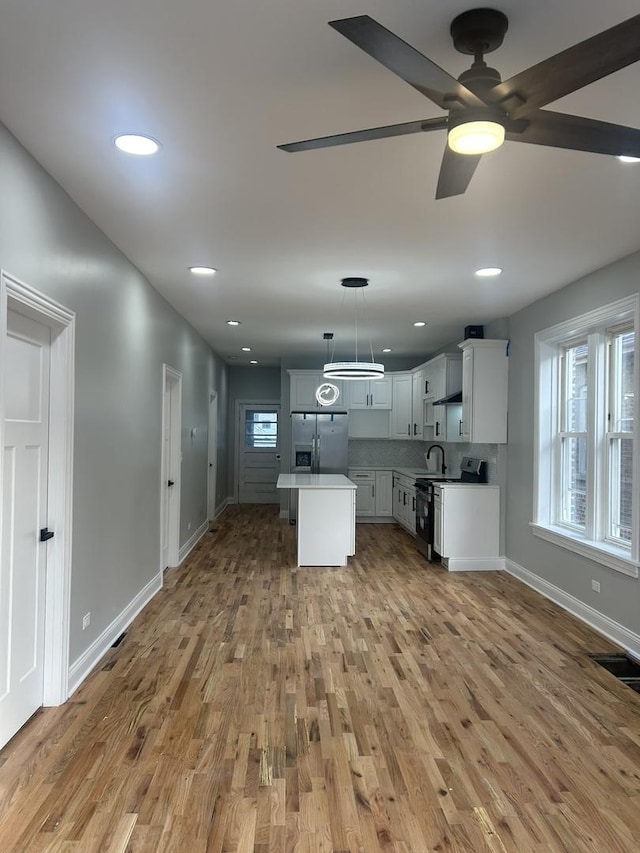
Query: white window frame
591	543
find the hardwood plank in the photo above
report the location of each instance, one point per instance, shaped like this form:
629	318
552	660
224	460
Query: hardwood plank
383	706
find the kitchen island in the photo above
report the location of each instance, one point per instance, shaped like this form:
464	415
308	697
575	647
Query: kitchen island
326	517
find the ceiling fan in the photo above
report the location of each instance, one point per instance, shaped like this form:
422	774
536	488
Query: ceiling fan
482	110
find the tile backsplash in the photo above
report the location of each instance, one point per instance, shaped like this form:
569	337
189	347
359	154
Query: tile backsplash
383	453
373	452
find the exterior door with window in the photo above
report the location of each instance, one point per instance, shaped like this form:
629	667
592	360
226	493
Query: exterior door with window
259	455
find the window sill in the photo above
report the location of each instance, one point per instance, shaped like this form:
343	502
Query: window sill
608	555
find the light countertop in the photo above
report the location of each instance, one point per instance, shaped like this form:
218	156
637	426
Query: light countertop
314	481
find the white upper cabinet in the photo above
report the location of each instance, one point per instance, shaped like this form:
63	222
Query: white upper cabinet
303	386
368	393
402	410
417	395
485	373
444	377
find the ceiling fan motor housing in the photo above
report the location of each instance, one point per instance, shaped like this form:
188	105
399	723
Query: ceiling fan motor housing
480	78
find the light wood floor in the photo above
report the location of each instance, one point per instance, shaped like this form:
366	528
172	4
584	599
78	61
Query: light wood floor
387	706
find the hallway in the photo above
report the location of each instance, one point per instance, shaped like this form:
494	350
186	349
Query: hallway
385	706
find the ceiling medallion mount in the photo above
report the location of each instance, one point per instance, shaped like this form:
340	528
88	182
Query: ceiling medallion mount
355	369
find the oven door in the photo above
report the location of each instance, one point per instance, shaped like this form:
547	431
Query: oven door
424	520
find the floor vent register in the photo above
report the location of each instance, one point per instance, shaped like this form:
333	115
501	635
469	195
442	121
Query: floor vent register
623	667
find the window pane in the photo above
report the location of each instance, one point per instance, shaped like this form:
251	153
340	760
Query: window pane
622	402
575	388
261	429
574	480
620	467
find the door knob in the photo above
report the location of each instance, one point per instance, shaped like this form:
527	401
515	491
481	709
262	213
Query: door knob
46	534
210	464
170	483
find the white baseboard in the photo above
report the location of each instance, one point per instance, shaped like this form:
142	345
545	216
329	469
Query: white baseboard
191	543
614	631
220	509
375	519
87	661
473	564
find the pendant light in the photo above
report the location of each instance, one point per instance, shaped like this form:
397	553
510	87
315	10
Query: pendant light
355	369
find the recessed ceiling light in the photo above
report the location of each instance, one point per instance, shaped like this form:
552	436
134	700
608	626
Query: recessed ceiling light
387	349
202	270
246	349
624	158
488	272
134	143
420	323
253	361
233	322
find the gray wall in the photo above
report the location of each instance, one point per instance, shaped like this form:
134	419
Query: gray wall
620	595
124	332
251	383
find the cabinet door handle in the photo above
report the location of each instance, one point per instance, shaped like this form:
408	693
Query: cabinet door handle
373	490
415	429
408	429
460	429
437	427
426	386
404	499
414	504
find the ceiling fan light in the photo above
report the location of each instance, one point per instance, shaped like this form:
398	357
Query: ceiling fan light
353	370
476	137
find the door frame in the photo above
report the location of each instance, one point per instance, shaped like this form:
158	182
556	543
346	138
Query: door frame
212	451
171	380
239	434
27	300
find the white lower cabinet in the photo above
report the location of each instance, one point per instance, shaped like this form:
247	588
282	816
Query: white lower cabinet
384	490
374	492
404	502
365	493
466	526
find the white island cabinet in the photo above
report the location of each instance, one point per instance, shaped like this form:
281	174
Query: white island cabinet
326	517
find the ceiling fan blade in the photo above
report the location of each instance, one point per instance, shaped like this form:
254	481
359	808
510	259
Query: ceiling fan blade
560	130
408	63
364	135
570	69
456	171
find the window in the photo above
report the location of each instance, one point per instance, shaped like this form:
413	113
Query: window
586	491
260	429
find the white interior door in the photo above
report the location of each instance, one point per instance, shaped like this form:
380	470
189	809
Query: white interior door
212	455
258	442
24	507
171	465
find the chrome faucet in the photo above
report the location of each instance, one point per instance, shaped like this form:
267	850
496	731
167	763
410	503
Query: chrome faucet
443	467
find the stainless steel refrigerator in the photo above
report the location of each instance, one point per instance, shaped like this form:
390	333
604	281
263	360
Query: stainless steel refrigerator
318	446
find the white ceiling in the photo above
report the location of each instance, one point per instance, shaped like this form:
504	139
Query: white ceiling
220	84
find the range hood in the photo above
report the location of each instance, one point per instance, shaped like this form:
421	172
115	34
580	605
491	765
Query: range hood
450	400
